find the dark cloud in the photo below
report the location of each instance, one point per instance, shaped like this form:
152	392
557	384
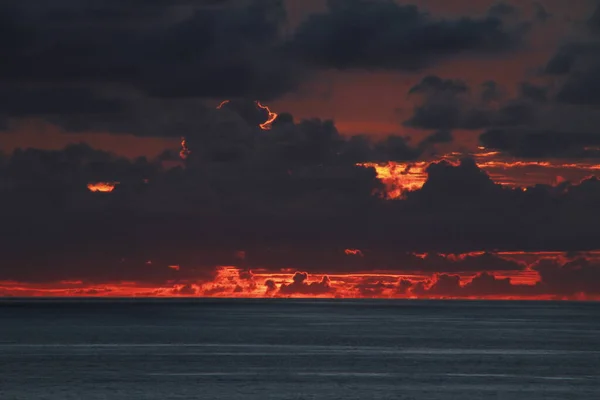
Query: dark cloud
185	290
582	88
71	169
464	200
225	52
403	286
573	57
467	263
486	284
502	9
432	84
594	21
384	34
491	92
140	116
271	286
535	143
447	104
17	101
579	65
215	290
569	278
319	259
444	285
442	136
138	67
534	92
300	286
482	285
301	214
118	66
454	182
143	68
217	51
560	64
541	14
293	196
373	289
396	148
232	134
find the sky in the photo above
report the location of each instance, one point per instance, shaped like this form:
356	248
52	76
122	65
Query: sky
286	148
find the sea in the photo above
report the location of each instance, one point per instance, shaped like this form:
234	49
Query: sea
152	349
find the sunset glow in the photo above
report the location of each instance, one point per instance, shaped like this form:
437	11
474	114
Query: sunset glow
272	116
284	158
230	281
353	252
400	178
185	151
104	187
307	199
221	104
228	285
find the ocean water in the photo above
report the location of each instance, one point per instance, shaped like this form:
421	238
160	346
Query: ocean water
298	349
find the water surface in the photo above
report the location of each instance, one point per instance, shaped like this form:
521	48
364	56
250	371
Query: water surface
298	349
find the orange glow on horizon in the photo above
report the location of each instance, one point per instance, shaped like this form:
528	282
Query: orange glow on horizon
104	187
228	284
236	282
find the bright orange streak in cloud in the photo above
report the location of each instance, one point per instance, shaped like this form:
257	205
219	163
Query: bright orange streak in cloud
400	178
185	151
229	284
353	252
222	104
104	187
272	117
265	126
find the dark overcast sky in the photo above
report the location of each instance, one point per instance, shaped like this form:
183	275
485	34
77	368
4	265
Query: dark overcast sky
404	128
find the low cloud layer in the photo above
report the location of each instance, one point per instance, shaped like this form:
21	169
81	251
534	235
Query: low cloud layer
557	277
292	197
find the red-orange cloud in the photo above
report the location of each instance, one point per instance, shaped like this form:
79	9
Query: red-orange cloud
550	276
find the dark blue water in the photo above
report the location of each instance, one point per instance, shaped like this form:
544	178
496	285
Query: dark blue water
234	349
